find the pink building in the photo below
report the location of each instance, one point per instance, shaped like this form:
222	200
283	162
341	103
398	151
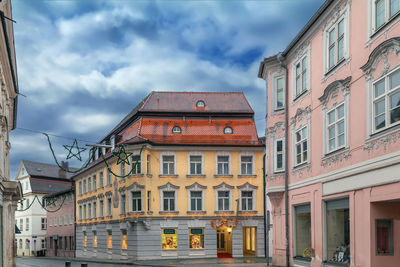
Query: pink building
333	138
60	236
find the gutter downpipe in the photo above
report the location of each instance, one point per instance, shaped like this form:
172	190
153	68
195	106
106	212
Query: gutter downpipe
266	221
281	58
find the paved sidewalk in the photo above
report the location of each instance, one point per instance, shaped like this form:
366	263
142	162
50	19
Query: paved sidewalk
75	262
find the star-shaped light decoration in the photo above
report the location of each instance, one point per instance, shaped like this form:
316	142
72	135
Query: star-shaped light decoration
78	149
122	155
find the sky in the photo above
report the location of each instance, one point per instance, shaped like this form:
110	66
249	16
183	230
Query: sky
84	65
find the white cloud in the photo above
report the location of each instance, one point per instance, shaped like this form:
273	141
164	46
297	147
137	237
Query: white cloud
81	121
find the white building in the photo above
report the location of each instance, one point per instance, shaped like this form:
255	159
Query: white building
37	180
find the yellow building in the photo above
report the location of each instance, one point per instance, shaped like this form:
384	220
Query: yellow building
193	186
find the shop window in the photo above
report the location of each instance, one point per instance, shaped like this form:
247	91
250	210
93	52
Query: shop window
94	239
196	238
338	231
109	239
124	240
84	239
249	241
384	236
302	231
169	238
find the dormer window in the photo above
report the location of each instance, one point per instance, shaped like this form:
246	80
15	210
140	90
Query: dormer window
176	130
200	104
228	130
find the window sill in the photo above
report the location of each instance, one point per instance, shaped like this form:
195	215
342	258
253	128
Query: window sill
334	152
247	212
169	212
136	213
380	133
136	175
168	175
385	25
300	95
200	212
149	212
247	176
223	175
149	175
333	68
222	212
195	176
279	172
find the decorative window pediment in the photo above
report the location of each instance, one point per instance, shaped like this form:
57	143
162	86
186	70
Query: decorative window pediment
223	186
135	186
196	186
168	186
332	90
300	115
247	186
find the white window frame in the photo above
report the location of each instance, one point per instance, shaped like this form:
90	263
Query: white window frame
27	224
386	96
197	188
276	169
71	218
168	187
301	141
167	153
223	187
300	62
135	188
195	153
94	209
223	153
135	154
109	210
253	162
101	208
372	16
343	14
274	86
335	124
248	187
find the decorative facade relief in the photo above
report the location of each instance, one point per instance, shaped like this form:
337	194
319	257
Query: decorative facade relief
337	157
300	115
382	141
332	90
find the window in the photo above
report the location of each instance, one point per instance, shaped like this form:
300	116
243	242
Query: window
94	209
384	10
196	199
336	43
124	240
44	223
108	177
169	238
71	218
246	165
302	230
223	165
27	203
20	244
223	200
123	204
89	184
196	238
386	101
279	155
136	164
101	178
168	200
50	221
109	239
301	76
80	212
101	208
84	186
27	224
247	200
65	219
338	230
108	206
148	200
200	104
94	239
195	164
122	168
228	130
336	128
280	93
43	243
21	224
80	187
148	165
62	218
168	164
301	146
22	204
89	211
84	239
55	220
176	130
136	200
94	182
384	236
26	243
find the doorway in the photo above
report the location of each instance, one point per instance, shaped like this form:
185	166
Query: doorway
224	242
249	241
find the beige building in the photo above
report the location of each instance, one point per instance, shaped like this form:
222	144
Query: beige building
10	191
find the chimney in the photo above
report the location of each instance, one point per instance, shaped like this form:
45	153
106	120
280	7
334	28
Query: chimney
61	172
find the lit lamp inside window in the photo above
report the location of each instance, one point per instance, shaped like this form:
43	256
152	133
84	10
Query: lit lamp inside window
109	239
229	229
84	240
124	242
94	239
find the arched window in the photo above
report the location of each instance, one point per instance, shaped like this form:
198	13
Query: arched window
177	130
200	104
228	130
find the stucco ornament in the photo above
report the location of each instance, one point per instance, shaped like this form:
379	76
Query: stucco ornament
382	141
300	115
332	90
338	157
147	224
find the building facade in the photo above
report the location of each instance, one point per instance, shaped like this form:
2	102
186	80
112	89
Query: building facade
10	191
193	186
333	131
37	180
60	237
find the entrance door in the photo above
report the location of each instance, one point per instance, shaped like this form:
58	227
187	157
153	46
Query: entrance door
224	242
221	241
249	241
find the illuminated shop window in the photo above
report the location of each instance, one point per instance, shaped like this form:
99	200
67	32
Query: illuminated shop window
302	227
94	239
84	239
109	239
169	238
124	240
196	238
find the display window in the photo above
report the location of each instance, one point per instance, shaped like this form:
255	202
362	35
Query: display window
196	238
124	239
338	231
109	239
302	223
84	240
169	238
384	236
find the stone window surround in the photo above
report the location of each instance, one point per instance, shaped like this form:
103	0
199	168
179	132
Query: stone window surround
304	53
168	187
223	153
167	153
223	187
195	153
196	187
253	161
135	187
248	187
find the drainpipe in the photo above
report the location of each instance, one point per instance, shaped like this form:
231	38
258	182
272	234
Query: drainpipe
266	214
281	60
